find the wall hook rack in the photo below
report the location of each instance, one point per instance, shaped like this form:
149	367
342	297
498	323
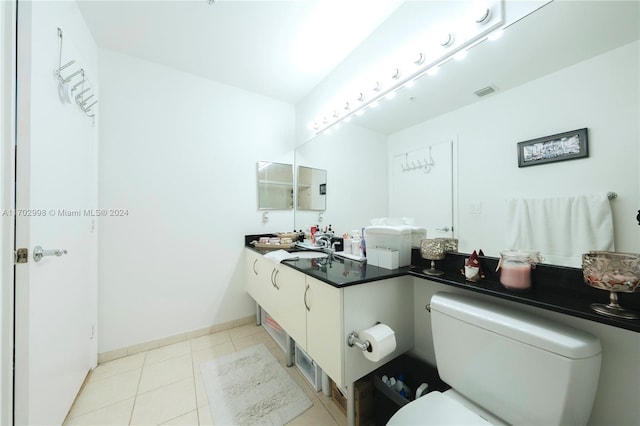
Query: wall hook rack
425	164
75	86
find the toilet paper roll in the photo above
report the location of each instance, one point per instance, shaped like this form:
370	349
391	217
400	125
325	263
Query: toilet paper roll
382	339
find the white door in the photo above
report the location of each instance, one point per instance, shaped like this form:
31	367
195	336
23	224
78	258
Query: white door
56	298
422	188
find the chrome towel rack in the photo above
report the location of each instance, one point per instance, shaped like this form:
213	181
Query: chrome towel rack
75	87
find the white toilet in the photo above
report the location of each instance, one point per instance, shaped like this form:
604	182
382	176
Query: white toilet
505	367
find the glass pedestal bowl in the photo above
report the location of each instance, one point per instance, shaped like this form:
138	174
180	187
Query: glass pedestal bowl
614	272
432	249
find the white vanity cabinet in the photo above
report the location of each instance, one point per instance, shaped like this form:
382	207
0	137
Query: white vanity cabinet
320	316
323	304
335	312
259	280
279	290
290	309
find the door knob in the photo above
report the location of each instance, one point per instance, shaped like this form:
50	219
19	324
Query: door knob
39	253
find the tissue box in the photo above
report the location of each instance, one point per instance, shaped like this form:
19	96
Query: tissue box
384	258
417	233
395	237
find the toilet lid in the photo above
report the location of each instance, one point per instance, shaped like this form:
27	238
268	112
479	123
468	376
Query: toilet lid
436	408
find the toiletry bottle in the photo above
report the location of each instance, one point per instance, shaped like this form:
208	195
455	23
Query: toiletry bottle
363	244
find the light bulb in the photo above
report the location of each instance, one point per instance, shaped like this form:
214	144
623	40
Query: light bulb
446	39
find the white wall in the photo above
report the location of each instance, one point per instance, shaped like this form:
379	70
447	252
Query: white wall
602	94
179	152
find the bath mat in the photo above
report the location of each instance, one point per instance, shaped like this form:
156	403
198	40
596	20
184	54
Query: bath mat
250	387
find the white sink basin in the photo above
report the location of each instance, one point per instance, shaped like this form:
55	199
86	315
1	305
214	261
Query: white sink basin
310	254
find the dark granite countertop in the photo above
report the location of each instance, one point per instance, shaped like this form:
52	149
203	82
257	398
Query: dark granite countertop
555	288
341	272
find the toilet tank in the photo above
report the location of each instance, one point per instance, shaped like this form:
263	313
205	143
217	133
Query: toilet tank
522	368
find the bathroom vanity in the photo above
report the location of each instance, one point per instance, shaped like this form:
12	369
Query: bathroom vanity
318	313
318	302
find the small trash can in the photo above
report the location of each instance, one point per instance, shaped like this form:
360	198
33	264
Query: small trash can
387	399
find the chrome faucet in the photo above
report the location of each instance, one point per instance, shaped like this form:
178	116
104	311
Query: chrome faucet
324	242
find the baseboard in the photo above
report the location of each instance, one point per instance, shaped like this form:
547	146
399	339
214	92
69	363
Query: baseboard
169	340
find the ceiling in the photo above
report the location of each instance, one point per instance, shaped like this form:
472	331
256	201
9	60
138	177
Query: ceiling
284	48
281	49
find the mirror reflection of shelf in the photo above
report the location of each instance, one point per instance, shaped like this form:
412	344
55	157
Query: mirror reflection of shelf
274	182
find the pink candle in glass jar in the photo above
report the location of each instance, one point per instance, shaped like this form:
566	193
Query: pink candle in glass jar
515	275
515	268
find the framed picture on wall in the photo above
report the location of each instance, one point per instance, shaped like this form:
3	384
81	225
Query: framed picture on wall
549	149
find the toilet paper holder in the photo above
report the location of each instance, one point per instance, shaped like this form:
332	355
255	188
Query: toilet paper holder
353	340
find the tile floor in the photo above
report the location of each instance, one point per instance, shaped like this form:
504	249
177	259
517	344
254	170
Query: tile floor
163	385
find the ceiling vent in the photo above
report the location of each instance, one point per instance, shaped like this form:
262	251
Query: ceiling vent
485	91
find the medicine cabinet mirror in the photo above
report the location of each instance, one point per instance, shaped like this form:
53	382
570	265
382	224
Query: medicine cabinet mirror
275	186
311	189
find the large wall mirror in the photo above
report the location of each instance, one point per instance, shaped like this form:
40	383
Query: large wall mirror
311	184
275	186
566	66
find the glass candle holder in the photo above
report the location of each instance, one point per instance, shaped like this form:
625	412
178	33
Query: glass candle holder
613	272
432	249
450	244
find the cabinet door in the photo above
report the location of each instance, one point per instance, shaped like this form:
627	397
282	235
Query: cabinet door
290	310
259	280
324	327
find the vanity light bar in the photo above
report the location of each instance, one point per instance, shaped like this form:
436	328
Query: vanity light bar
453	45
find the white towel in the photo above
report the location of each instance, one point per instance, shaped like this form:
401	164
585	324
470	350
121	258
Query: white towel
278	256
561	228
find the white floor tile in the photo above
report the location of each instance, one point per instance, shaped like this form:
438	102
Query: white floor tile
244	331
115	414
201	392
204	413
165	372
210	340
105	392
189	419
316	415
164	386
167	352
165	403
210	353
117	366
255	339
